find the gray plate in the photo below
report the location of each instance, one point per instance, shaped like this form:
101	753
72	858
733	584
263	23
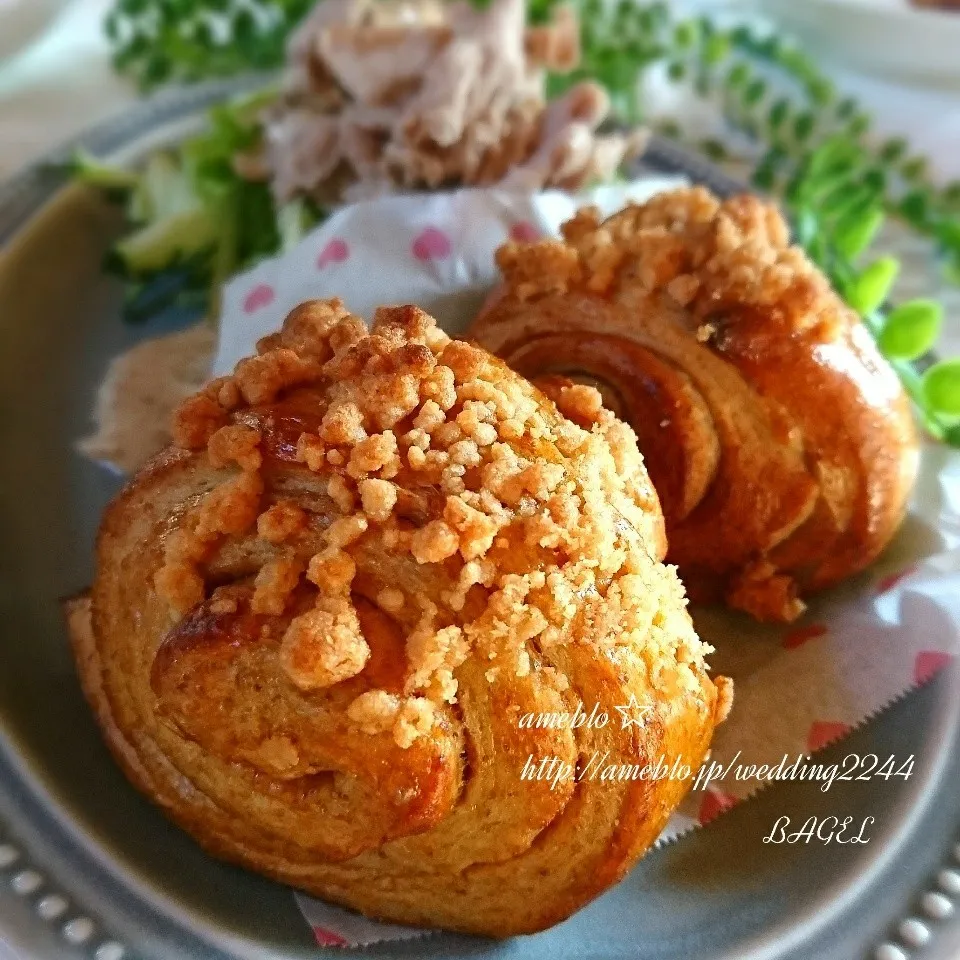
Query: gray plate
89	868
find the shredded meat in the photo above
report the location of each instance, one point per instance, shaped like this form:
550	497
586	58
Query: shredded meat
381	97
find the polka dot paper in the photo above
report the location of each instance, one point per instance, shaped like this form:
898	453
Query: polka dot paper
798	688
435	250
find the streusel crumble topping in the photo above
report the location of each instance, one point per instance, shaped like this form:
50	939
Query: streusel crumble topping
541	532
705	254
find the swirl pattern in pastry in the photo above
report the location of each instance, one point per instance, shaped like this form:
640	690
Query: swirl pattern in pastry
779	440
319	619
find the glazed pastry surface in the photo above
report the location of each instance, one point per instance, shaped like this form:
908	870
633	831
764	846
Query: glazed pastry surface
779	440
320	620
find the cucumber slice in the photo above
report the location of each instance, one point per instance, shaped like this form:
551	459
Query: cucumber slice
164	242
88	169
138	205
292	224
166	187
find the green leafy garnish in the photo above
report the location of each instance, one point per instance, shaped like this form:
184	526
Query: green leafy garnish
911	329
89	169
941	387
867	292
164	41
196	220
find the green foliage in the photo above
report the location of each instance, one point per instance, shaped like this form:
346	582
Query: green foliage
911	329
856	230
197	222
941	387
163	41
867	292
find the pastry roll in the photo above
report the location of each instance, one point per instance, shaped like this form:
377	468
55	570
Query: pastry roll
341	630
780	442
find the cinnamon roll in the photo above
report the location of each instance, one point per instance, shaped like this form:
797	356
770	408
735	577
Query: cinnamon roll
328	624
780	442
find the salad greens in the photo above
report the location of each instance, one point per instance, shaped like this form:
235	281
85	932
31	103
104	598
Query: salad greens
197	221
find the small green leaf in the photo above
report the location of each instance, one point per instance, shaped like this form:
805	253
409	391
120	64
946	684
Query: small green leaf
941	387
685	34
846	108
716	49
911	329
915	207
868	291
677	70
803	125
914	168
156	69
772	47
859	124
705	25
764	177
948	233
821	91
755	91
738	75
875	179
855	231
778	113
203	34
846	198
893	149
714	149
832	156
951	435
669	128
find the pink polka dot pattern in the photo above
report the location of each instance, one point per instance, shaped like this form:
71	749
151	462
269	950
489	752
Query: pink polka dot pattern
822	732
337	250
327	938
432	244
523	231
892	579
799	636
713	804
262	295
928	663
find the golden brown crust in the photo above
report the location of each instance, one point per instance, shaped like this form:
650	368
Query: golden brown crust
780	442
313	634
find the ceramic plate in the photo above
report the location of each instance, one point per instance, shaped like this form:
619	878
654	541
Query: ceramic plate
90	869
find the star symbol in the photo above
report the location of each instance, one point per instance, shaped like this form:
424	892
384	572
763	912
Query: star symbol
632	713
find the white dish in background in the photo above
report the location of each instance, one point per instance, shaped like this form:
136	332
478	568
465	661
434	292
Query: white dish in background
23	21
889	37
